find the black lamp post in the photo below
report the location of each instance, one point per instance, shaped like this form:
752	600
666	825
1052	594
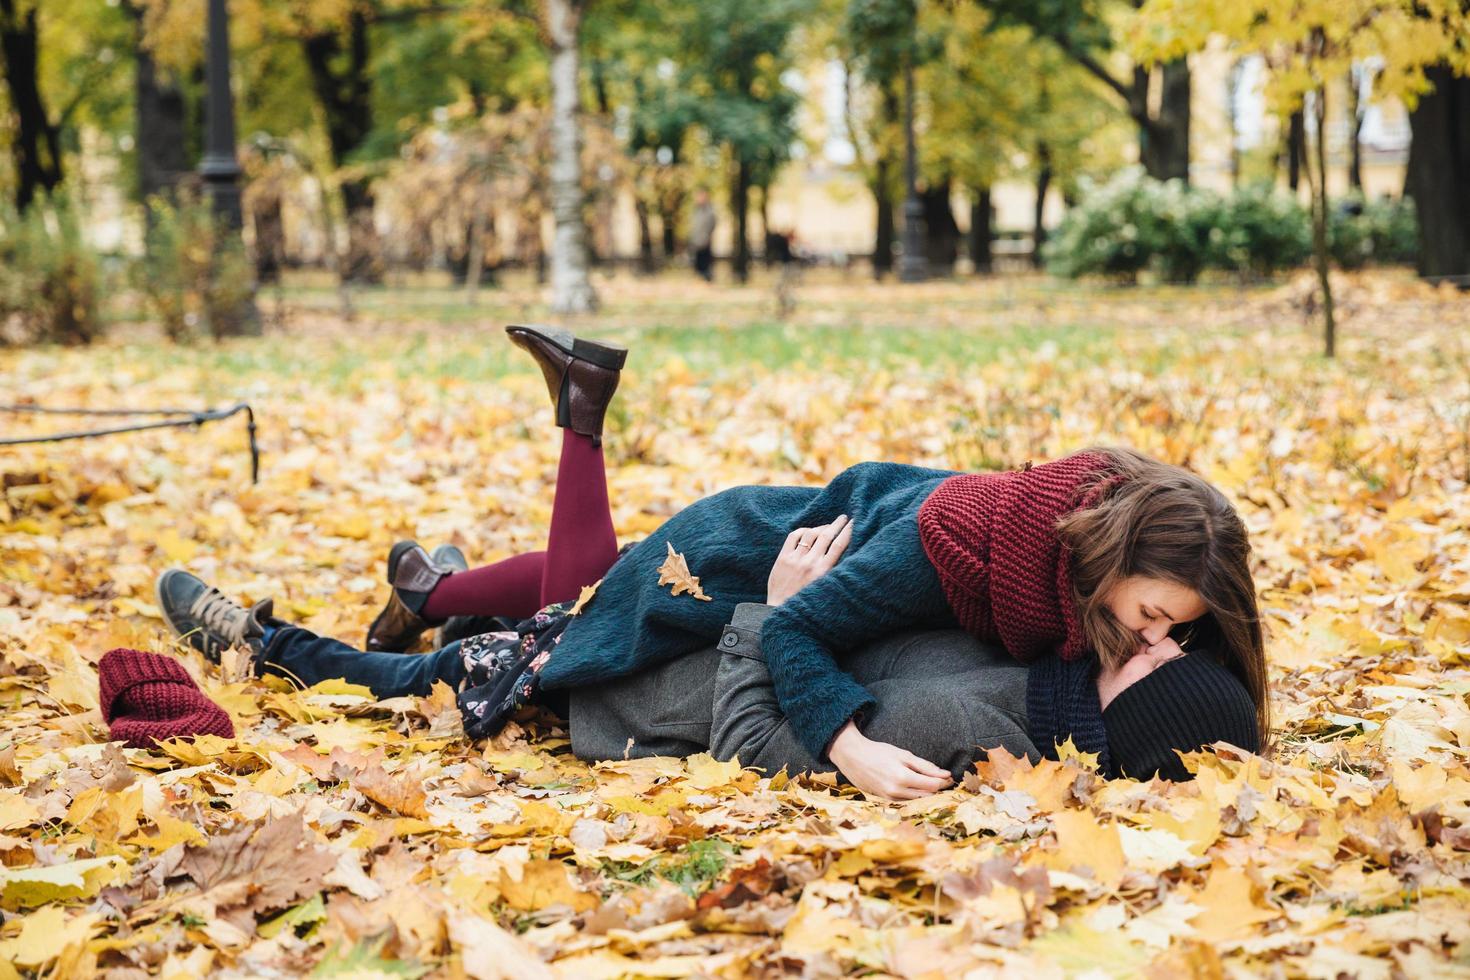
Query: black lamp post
912	265
219	167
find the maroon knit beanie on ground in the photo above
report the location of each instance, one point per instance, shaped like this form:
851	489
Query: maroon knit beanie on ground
147	697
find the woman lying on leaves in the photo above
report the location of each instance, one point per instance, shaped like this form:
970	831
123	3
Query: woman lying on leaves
1118	585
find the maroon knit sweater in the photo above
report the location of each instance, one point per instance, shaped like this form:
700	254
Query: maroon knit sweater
992	538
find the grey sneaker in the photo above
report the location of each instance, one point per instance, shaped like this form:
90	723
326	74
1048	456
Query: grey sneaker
205	618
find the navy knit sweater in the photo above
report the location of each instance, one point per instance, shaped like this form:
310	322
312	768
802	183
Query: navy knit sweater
883	583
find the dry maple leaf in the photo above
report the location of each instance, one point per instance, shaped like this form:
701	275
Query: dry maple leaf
257	868
675	571
399	795
441	710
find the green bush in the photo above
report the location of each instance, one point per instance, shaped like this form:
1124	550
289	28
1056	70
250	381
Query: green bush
51	281
1134	223
1116	231
1395	226
191	279
1383	232
1191	232
1263	230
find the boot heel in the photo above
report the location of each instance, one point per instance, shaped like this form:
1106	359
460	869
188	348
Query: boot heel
603	355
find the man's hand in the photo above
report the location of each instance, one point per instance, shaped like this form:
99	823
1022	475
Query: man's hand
1113	682
883	770
807	555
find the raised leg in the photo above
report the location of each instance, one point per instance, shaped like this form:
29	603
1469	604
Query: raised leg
580	548
581	545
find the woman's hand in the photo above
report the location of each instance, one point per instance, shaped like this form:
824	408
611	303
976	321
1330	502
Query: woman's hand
807	555
880	769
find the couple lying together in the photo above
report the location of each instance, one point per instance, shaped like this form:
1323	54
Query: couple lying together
892	625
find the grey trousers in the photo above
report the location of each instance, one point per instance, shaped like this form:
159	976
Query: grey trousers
941	694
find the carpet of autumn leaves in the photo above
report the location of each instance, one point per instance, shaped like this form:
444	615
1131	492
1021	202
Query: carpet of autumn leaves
338	836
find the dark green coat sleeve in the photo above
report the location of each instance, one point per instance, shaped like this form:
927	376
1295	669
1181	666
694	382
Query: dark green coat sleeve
883	586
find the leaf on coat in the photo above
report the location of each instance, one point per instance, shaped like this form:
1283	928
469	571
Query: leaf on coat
675	571
588	591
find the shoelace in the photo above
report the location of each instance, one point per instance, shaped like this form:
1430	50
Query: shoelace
221	614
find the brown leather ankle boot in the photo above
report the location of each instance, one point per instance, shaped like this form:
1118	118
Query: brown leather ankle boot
581	375
413	575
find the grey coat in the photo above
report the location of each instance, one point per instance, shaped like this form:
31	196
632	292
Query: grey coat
941	694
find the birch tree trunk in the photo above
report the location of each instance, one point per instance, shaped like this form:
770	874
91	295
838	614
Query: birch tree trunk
571	290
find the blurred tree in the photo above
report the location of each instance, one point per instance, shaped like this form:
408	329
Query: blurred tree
1083	30
35	142
338	57
879	40
870	120
376	69
571	289
1359	85
638	88
1000	104
890	44
733	56
160	118
60	62
1307	43
1294	147
1439	162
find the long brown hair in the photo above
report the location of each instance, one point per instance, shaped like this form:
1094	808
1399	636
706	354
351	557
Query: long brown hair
1162	521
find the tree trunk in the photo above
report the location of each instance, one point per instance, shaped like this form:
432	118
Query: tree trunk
363	263
765	224
475	248
668	219
571	287
160	119
344	90
980	232
740	204
941	232
645	238
1296	148
1319	220
1355	130
1163	146
36	143
1232	88
887	229
269	225
1439	159
1043	184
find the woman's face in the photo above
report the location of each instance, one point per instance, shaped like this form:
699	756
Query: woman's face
1149	607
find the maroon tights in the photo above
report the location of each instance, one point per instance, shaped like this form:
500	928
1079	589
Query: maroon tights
579	549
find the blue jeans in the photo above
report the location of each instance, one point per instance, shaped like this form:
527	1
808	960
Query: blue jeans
300	655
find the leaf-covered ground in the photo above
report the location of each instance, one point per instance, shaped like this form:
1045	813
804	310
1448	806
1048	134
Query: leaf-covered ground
347	837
